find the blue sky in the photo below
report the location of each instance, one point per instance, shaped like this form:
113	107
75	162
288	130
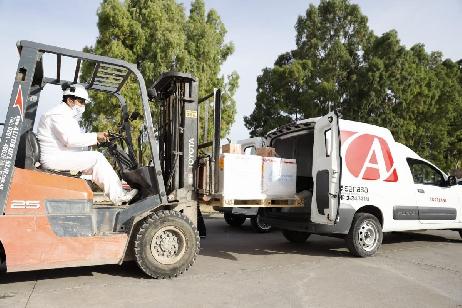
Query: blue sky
260	30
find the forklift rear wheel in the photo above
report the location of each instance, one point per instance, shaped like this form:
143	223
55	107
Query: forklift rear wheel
166	244
234	220
258	225
365	236
2	259
296	236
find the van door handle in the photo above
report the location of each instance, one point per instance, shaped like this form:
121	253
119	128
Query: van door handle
420	190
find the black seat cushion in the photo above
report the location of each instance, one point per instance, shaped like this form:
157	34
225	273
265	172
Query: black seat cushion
31	150
28	155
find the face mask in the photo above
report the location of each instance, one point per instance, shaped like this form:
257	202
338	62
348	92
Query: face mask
78	112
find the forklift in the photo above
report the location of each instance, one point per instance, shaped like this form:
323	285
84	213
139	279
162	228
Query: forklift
52	219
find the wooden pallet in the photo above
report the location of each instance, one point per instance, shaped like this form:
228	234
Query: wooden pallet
278	202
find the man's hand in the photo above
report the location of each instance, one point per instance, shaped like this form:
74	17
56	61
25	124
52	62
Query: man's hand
102	137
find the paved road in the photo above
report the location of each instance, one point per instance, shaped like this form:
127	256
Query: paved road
237	267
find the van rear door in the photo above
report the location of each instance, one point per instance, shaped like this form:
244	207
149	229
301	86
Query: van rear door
326	170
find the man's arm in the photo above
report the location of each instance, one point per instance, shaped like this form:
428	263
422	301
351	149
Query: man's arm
69	133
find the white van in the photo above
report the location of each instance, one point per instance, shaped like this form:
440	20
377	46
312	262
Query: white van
357	182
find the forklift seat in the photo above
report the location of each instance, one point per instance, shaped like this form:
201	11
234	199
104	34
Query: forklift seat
32	157
28	155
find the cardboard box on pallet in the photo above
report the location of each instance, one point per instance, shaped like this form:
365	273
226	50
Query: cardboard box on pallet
266	152
231	148
279	177
240	176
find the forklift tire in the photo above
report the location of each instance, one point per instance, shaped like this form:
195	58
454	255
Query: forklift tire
2	259
258	225
296	236
234	220
166	244
365	236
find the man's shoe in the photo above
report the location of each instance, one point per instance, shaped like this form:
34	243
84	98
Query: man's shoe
127	197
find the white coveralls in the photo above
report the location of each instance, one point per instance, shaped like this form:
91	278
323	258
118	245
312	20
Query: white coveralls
61	148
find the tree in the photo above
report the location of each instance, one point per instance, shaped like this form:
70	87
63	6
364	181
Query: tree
340	64
157	35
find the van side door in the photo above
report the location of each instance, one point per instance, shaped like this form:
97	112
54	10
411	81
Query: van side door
326	170
436	201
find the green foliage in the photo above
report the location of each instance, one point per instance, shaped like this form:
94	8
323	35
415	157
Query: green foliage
159	36
340	64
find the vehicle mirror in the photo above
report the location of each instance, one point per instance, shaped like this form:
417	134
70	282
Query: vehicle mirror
452	180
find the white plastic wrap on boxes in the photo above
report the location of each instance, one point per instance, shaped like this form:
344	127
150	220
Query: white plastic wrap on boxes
279	177
240	176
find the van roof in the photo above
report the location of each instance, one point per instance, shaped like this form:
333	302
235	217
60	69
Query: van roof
407	152
309	123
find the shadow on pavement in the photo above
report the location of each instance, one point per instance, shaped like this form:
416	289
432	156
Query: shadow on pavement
226	242
128	269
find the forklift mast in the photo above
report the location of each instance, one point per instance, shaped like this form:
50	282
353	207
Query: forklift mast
177	94
178	133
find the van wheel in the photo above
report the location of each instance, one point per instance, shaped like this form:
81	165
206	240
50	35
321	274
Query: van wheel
460	233
258	225
234	220
365	236
296	236
166	244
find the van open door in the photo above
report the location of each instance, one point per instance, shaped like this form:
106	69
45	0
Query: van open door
326	170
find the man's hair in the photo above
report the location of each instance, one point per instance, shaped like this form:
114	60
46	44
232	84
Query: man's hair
65	97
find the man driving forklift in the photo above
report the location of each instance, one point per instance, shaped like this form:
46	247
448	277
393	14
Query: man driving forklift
64	146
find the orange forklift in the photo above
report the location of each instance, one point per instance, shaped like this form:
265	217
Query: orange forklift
53	219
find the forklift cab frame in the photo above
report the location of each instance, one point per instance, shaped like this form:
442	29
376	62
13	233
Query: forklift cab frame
62	213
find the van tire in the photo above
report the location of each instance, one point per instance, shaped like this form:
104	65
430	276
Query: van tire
258	225
297	237
234	220
460	233
365	236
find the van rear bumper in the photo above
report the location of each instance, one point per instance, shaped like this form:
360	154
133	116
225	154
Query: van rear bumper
302	222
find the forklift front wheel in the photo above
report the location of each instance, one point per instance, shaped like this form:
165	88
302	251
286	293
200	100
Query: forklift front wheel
166	245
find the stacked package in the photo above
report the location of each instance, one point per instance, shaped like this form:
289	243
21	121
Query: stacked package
240	176
262	176
279	177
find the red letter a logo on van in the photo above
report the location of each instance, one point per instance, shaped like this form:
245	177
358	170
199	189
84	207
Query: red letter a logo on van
368	157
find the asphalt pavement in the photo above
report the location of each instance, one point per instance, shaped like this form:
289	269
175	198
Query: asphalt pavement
238	267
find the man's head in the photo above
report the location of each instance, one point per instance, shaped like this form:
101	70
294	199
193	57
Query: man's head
75	95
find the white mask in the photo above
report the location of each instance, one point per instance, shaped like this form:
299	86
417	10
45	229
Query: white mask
78	112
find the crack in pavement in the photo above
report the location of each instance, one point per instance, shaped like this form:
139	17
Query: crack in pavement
30	295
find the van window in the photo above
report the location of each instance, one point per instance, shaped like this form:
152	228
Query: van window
425	174
328	142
